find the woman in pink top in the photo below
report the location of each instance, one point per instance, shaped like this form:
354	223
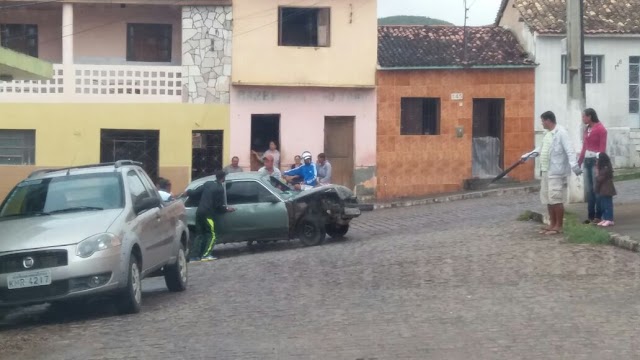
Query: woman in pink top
594	142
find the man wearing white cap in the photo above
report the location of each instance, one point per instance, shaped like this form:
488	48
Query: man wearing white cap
308	172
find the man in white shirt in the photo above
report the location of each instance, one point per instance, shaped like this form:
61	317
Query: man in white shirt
557	160
324	169
164	189
269	169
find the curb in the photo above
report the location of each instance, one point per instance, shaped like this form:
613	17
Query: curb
457	197
615	239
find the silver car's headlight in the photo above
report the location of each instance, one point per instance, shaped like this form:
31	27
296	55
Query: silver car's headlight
95	243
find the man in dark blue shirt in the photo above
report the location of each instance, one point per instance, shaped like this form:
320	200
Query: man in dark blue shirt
212	202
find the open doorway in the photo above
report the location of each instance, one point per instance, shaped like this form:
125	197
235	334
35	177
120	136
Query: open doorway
264	129
488	137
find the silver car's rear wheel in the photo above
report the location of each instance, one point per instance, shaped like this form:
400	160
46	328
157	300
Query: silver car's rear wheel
176	276
129	301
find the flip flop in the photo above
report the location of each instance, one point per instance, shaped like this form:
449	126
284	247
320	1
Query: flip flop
553	232
544	230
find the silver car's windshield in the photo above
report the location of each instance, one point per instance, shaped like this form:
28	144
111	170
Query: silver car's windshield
64	194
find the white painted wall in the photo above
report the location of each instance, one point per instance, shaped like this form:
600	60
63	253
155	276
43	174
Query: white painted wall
609	98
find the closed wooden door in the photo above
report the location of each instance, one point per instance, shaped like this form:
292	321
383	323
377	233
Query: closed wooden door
338	146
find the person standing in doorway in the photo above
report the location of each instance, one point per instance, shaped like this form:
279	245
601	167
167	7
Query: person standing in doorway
273	151
212	204
324	170
557	160
594	142
234	167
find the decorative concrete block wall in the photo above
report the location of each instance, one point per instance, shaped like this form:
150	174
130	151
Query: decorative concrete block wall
206	54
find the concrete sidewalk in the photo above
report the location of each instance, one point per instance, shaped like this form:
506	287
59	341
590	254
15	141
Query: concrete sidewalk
626	216
626	232
497	190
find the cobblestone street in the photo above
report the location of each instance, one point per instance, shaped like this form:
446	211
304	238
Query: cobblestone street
459	280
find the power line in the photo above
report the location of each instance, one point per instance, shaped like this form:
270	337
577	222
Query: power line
28	4
174	4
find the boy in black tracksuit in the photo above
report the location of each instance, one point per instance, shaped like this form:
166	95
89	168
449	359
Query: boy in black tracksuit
212	202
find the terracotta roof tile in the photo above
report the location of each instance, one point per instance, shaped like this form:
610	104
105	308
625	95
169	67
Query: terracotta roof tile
600	16
433	46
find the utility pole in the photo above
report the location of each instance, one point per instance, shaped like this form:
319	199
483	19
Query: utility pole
576	97
466	17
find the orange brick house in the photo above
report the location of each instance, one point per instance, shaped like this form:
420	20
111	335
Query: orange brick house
444	116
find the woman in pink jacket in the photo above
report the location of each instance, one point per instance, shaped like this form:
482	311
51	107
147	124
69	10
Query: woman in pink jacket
594	142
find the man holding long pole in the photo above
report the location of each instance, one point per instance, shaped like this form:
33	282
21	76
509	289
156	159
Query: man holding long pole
557	160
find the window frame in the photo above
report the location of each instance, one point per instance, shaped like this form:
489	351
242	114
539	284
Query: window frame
634	86
425	124
262	192
28	146
131	52
135	200
590	78
4	42
319	43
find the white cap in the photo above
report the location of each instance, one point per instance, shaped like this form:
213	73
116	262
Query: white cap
306	155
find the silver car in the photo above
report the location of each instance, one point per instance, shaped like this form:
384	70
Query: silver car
96	230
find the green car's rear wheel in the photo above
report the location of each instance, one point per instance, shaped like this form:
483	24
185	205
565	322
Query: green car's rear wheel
337	231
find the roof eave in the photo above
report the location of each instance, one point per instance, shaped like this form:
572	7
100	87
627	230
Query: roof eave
596	35
457	67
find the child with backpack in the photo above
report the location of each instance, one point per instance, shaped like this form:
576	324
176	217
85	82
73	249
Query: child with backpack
604	188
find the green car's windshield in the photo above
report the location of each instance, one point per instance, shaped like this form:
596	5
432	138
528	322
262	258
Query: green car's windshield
64	194
281	187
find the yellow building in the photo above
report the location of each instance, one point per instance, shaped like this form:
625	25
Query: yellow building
327	43
130	81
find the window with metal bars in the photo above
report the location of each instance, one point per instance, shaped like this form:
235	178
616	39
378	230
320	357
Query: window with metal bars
420	116
634	84
17	147
592	69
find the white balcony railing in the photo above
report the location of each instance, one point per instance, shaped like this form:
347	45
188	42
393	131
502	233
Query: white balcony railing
100	83
32	88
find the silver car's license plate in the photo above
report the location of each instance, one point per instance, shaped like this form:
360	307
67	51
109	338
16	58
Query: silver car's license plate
351	211
29	279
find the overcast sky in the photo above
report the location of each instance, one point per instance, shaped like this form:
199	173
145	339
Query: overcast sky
482	12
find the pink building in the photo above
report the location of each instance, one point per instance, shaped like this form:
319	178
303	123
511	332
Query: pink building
304	77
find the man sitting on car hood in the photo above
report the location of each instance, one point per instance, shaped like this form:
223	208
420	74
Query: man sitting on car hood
308	172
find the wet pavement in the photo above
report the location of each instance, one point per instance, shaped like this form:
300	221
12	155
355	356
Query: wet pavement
460	280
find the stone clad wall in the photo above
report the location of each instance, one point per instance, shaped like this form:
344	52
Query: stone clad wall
206	54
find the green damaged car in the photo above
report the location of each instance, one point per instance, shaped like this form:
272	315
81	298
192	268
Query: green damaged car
268	210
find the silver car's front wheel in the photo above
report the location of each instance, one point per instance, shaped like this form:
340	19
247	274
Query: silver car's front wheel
129	300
